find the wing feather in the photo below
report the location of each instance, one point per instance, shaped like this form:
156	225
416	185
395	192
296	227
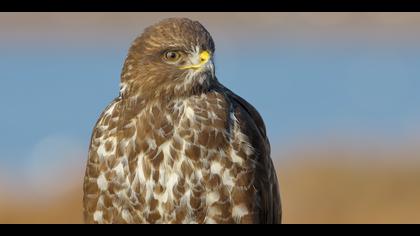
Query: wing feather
102	130
266	181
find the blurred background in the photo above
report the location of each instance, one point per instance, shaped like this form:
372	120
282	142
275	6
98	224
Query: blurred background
339	92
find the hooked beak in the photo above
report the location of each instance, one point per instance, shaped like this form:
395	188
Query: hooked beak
202	59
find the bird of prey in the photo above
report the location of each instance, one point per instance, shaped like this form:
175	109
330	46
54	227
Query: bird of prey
176	146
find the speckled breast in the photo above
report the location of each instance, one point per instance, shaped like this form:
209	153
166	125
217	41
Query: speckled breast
186	162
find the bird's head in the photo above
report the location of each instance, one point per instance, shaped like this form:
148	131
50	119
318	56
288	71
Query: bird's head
171	58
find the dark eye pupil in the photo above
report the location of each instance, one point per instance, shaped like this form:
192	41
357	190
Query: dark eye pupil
172	55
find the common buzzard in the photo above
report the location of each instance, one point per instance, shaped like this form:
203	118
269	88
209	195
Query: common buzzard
177	146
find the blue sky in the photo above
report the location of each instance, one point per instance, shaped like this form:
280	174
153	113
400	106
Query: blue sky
303	91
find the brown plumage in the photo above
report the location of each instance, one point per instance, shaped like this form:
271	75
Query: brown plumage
177	146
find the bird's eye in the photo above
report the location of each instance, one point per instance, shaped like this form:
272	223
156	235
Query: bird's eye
172	56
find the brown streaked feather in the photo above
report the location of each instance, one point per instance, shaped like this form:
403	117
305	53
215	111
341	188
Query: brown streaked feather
267	183
93	168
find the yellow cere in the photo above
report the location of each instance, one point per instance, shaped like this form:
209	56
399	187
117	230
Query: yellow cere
204	58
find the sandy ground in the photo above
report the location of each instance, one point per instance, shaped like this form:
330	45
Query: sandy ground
321	191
